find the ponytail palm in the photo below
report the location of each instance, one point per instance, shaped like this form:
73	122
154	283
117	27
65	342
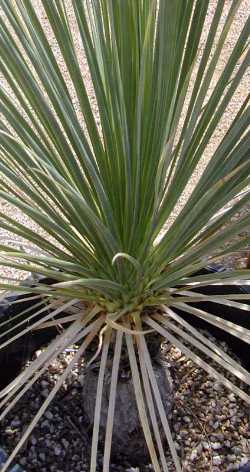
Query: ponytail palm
103	187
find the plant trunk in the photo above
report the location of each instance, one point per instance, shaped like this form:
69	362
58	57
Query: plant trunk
128	442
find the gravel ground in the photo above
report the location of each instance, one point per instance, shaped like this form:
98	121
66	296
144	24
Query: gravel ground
210	425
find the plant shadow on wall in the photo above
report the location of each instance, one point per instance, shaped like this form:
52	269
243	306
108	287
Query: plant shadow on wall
101	195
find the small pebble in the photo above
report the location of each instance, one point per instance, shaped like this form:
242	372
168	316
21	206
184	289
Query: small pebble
193	455
215	446
217	460
48	415
57	451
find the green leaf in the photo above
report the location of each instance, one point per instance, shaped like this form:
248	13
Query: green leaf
99	175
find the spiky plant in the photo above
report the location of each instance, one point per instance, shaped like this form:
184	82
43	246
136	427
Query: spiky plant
102	185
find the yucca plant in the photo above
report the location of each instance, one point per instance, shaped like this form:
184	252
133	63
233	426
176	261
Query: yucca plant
103	187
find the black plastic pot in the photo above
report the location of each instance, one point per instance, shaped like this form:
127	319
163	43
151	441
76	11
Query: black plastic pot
239	317
14	356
